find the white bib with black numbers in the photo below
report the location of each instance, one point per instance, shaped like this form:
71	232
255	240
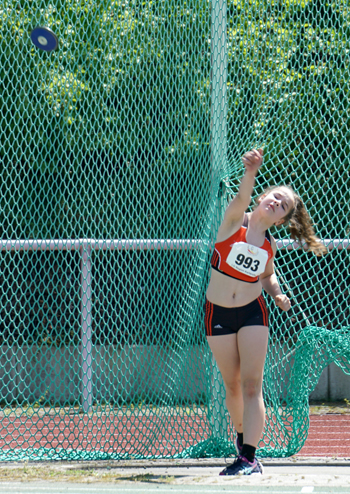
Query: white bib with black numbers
247	259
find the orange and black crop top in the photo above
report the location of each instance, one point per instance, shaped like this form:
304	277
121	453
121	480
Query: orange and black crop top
236	258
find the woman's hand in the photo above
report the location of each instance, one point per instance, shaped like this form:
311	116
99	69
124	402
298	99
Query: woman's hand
252	160
283	302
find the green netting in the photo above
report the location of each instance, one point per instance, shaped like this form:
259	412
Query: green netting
119	151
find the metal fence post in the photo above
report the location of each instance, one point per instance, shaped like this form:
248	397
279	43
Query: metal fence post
86	329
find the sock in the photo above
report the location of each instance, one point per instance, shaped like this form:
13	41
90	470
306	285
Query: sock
248	452
240	438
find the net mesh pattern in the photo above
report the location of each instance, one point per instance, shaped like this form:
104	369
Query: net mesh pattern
119	152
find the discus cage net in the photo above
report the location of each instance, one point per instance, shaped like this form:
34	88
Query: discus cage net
119	152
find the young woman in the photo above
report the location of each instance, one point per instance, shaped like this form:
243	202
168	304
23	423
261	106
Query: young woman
236	317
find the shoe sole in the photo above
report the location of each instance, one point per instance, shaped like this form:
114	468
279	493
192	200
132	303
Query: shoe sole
240	474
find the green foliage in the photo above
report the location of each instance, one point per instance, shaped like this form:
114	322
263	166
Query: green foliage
126	99
288	89
121	103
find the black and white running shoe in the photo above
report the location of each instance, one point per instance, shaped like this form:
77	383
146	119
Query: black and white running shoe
241	466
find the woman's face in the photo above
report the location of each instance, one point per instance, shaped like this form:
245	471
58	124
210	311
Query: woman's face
277	204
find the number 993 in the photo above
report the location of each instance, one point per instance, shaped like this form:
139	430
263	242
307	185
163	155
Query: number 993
246	262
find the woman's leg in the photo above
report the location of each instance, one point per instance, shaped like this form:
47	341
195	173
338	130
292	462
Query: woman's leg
226	354
252	347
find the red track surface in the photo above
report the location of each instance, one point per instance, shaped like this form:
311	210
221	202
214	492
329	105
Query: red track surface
163	435
329	435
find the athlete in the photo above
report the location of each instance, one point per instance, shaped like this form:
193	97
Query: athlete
236	317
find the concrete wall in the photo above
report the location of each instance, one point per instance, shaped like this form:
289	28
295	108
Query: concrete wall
333	385
130	374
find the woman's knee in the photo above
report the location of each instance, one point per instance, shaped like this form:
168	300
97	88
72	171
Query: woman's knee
252	387
233	387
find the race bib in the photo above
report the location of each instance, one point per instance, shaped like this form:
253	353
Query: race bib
247	259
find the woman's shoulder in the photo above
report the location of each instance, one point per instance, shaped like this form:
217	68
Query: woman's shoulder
229	228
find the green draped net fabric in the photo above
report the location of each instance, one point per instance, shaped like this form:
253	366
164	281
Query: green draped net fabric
119	152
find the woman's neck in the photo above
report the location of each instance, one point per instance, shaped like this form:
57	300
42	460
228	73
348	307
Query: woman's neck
257	223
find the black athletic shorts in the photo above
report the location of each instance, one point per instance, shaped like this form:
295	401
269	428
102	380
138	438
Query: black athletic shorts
229	320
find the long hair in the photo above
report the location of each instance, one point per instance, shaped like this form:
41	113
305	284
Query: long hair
299	222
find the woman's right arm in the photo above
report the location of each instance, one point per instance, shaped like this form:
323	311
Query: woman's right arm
252	161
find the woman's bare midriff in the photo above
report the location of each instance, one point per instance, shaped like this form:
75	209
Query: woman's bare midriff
229	292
